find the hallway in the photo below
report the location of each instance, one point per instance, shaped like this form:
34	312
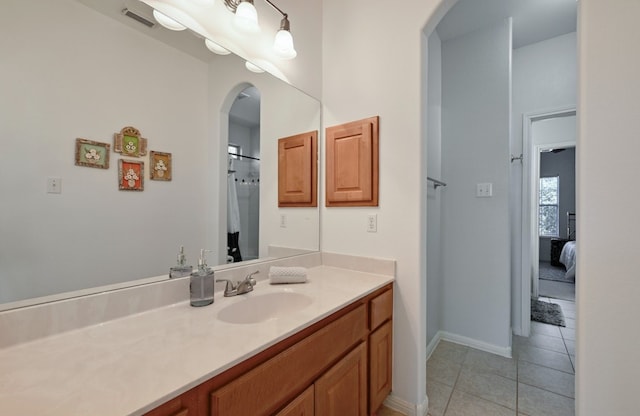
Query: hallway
537	381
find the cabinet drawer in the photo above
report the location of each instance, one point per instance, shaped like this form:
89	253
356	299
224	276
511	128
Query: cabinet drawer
381	309
266	388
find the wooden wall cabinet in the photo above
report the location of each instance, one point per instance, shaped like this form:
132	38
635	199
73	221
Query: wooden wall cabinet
339	366
298	170
352	163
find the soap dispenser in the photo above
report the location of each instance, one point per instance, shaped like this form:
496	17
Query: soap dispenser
202	283
180	269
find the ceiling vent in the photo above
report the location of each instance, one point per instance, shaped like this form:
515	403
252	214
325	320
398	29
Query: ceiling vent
139	16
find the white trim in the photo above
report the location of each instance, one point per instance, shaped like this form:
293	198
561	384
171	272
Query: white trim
529	268
474	343
407	408
469	342
431	347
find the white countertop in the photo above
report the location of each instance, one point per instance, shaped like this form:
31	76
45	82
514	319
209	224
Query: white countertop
130	365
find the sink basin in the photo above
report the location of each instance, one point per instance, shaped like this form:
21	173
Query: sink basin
262	308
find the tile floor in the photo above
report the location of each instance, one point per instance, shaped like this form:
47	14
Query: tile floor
537	381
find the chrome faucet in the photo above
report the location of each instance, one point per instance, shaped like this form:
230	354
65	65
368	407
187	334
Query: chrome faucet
241	287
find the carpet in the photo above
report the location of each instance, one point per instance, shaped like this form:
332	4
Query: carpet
548	313
548	272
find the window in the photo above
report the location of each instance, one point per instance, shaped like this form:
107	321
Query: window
548	210
234	151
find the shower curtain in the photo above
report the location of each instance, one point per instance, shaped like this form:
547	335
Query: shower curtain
233	217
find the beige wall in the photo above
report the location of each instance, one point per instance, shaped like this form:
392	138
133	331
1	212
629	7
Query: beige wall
371	61
608	287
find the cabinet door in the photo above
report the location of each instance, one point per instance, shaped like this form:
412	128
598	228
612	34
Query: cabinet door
342	391
352	164
301	405
380	344
269	386
298	170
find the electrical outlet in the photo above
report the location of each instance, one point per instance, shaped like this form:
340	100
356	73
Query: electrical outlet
54	185
372	223
283	221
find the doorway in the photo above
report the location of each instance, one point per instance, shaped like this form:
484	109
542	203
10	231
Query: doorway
545	136
243	177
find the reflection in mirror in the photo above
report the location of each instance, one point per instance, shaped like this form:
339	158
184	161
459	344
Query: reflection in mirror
82	73
243	188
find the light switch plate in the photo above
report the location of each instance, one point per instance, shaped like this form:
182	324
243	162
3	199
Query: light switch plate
484	190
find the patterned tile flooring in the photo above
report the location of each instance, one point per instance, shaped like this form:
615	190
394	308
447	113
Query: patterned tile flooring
537	381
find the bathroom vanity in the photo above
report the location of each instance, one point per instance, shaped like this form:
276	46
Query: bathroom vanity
339	366
329	354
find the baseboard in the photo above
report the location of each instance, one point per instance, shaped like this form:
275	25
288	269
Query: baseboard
409	409
433	344
474	343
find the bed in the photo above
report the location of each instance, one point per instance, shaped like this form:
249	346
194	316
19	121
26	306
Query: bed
568	254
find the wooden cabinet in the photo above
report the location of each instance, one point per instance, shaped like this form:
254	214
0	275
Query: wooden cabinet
298	170
184	405
338	366
380	365
352	164
380	348
342	390
273	383
303	405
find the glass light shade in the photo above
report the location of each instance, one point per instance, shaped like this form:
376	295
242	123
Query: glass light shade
253	68
204	3
283	45
167	22
215	48
246	18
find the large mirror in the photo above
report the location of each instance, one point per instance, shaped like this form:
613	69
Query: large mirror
72	71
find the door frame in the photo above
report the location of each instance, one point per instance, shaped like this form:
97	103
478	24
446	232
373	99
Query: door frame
529	230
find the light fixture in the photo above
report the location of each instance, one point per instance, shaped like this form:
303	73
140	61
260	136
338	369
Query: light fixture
253	67
283	43
204	3
246	19
216	48
167	22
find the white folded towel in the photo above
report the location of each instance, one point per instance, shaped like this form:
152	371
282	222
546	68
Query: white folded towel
279	274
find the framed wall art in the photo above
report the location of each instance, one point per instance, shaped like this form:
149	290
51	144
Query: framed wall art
92	154
130	175
160	168
130	142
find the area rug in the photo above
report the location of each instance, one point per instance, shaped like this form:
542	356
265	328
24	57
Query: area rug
548	313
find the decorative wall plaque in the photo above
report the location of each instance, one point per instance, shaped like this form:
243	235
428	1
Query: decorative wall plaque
92	154
130	142
160	168
130	175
